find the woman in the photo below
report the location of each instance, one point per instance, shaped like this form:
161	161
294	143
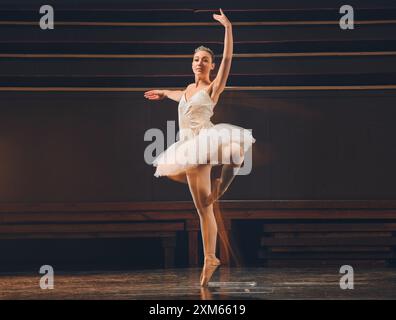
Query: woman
196	105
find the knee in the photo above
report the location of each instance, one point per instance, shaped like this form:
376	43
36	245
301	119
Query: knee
203	212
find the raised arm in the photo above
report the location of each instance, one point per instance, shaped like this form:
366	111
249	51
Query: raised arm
220	81
162	94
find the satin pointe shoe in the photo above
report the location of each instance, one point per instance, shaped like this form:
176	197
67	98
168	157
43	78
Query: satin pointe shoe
209	268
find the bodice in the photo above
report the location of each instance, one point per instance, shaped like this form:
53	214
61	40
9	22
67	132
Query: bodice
195	114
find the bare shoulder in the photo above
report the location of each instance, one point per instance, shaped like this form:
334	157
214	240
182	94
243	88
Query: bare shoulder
188	88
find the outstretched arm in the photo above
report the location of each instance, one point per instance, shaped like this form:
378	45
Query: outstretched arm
162	94
220	81
174	95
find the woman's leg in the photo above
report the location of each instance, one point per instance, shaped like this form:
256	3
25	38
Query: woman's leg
182	178
228	172
200	187
199	183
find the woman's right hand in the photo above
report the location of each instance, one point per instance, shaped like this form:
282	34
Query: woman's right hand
155	94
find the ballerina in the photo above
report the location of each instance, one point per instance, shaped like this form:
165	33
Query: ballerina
196	104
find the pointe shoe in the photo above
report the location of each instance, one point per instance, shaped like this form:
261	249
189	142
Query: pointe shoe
215	192
202	274
209	268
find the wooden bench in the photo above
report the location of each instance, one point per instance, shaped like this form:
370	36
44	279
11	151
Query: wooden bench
164	219
47	221
321	233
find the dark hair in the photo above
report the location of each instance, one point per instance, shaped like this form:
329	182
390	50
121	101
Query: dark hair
203	48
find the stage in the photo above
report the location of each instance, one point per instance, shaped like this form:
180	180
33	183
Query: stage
183	283
89	107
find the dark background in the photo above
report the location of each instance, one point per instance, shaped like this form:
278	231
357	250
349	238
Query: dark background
88	146
68	133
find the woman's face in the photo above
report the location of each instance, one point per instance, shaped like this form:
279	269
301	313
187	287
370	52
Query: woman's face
202	63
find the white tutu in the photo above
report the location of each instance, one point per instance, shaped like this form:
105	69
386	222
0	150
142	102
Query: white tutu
208	146
201	141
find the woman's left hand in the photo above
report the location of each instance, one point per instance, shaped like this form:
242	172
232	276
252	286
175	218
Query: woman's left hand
222	19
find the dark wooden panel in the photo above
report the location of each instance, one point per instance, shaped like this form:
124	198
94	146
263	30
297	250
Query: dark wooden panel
311	145
85	235
273	80
161	48
335	156
330	235
140	14
327	256
336	241
194	34
331	151
57	147
319	214
306	249
201	4
326	263
89	228
178	66
351	209
327	243
156	219
326	227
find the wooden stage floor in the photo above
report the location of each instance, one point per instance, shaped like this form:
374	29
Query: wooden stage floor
178	284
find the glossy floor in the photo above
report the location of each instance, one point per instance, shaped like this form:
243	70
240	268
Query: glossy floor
228	283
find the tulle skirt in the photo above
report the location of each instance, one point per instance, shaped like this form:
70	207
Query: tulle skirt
209	146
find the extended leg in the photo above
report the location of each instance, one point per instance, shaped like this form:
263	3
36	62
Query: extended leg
228	173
